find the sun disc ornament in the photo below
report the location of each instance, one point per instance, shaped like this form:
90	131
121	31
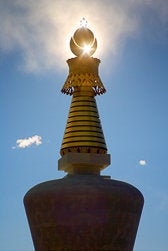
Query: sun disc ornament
83	42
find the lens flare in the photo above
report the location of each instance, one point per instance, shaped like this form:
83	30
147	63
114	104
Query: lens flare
86	49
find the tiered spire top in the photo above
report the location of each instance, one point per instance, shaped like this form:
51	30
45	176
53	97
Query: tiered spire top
83	69
83	148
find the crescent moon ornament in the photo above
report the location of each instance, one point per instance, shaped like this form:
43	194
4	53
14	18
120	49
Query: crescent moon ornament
83	42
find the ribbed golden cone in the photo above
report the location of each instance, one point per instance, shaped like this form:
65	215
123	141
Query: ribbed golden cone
83	131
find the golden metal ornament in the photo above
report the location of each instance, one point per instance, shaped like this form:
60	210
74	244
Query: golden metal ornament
83	42
83	133
83	72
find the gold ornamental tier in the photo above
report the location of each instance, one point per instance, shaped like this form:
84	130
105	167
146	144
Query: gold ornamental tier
83	72
83	131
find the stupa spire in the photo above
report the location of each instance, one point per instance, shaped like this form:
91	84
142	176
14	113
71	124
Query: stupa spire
83	133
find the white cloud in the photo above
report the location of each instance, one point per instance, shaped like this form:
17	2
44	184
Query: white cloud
41	30
142	162
26	142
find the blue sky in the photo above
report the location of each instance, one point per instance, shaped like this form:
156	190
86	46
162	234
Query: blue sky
133	48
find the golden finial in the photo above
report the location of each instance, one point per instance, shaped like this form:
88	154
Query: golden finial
83	42
83	69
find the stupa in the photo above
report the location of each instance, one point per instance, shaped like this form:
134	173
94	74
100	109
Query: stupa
84	210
